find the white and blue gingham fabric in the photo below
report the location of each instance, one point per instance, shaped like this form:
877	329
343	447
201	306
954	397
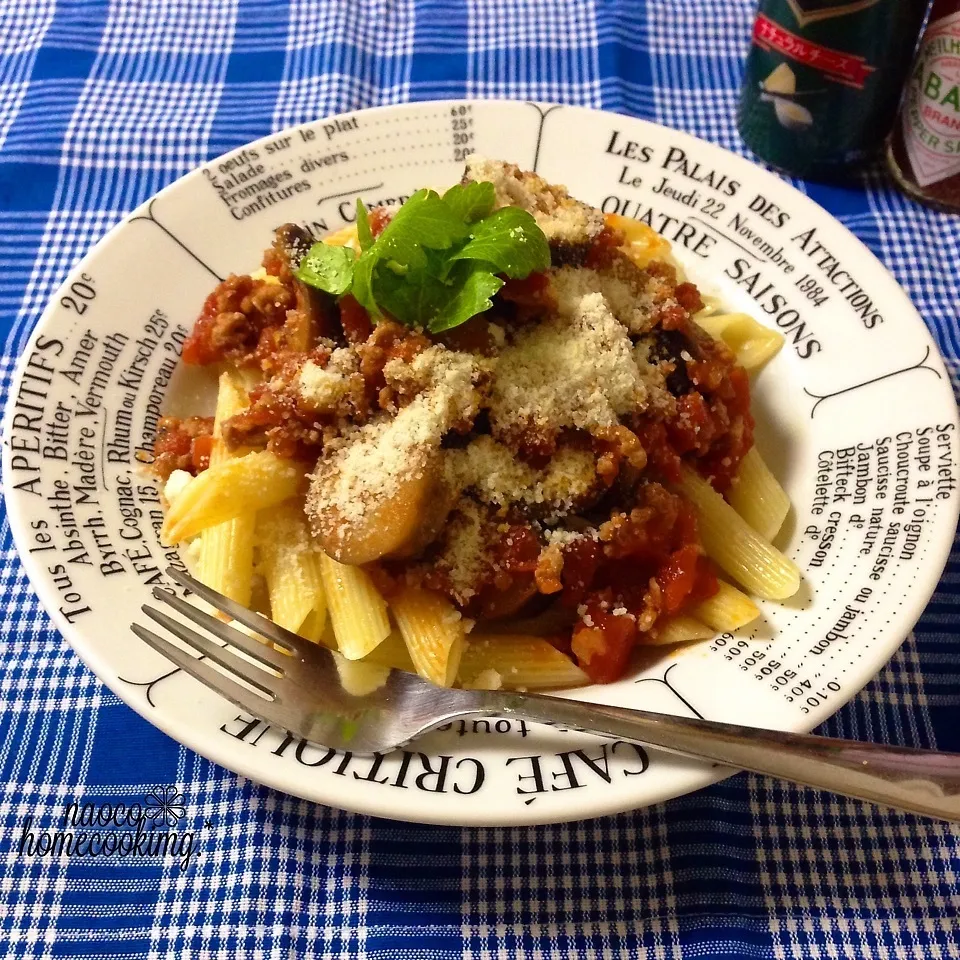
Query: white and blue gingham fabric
102	104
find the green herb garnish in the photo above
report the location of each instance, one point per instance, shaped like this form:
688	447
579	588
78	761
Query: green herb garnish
436	264
329	268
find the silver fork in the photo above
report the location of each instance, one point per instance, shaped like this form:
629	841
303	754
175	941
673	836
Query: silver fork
298	689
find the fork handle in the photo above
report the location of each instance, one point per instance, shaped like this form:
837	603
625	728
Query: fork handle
916	781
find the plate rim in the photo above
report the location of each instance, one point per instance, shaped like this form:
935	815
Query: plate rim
275	778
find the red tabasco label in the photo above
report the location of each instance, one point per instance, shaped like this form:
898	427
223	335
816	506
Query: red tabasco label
931	112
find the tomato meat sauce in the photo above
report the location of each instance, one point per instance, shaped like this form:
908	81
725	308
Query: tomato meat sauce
642	564
182	444
646	565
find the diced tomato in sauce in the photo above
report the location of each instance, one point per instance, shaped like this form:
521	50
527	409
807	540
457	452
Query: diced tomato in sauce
470	337
379	218
661	456
172	442
685	579
354	320
505	597
705	584
713	432
581	558
688	296
200	453
182	445
519	550
612	587
604	247
677	577
198	348
693	426
720	465
602	642
531	296
527	288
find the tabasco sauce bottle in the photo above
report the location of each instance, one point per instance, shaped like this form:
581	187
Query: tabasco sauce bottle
823	81
923	152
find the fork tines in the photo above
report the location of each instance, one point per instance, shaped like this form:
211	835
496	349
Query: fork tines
245	658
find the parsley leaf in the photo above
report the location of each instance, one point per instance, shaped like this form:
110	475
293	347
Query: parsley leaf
436	263
423	221
363	227
470	201
470	291
509	239
328	268
416	298
439	304
363	285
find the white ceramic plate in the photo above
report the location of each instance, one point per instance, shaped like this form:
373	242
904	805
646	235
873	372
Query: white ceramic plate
856	416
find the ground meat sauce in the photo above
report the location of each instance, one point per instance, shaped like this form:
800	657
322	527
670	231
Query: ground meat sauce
235	317
354	320
646	563
643	559
276	420
182	445
279	417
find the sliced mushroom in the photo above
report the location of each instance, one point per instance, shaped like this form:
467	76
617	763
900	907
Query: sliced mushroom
399	525
291	242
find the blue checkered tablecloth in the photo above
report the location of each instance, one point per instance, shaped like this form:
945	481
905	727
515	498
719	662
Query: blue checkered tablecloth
102	104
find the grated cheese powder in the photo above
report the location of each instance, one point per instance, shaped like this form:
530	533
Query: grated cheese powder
575	369
464	553
370	463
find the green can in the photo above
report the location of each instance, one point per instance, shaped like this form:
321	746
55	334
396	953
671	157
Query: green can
823	81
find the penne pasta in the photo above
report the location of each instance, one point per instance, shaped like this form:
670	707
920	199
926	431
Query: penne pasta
643	242
344	237
226	557
392	652
735	546
360	677
757	496
487	679
358	613
711	305
290	563
318	629
231	400
753	343
728	609
530	663
679	629
247	484
259	597
433	630
226	550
